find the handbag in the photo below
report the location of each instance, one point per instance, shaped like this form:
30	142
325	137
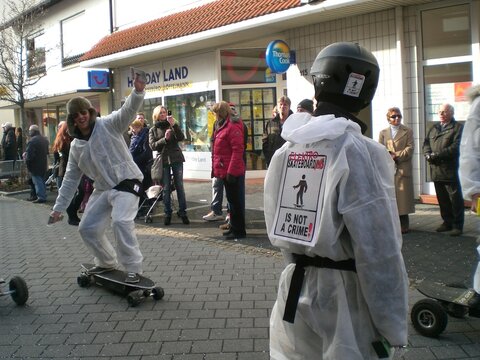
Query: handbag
157	169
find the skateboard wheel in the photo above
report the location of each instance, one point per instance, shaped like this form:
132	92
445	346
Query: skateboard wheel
83	280
135	298
428	317
157	293
19	290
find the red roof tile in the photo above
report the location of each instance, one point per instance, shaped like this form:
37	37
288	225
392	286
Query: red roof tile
209	16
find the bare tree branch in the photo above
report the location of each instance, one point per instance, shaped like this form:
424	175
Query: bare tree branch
20	67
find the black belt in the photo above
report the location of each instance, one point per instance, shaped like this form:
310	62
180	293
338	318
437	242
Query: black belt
133	186
296	283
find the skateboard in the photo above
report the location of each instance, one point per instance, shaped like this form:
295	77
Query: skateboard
430	316
17	289
114	280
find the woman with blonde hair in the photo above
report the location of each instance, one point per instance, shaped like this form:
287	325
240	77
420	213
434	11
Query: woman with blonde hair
164	138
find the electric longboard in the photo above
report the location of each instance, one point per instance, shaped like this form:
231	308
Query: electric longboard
430	316
114	280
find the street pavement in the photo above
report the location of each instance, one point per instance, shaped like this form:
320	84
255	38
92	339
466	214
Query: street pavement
218	294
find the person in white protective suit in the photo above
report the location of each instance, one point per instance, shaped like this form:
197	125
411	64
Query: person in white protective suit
343	293
100	152
469	170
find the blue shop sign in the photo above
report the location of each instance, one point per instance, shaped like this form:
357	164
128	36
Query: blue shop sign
98	79
277	56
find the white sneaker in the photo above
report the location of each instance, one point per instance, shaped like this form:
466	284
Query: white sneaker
211	216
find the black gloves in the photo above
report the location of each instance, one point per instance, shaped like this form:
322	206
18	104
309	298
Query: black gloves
231	179
432	158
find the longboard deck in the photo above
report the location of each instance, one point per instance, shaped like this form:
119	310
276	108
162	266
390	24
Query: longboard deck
118	277
446	293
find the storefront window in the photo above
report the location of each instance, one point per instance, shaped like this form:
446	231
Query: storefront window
446	32
148	106
194	117
255	108
447	84
245	66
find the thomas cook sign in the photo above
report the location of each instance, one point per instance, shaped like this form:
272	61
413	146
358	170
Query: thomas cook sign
277	56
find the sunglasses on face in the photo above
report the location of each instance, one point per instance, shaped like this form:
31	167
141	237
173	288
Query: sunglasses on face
395	116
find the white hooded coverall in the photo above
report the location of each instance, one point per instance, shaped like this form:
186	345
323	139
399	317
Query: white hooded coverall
469	169
106	160
351	213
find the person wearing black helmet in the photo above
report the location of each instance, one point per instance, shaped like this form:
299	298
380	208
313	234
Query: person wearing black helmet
343	293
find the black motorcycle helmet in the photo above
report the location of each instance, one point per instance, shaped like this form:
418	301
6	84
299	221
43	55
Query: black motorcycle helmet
345	74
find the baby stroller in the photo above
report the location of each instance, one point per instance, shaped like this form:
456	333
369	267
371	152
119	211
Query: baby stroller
154	195
52	174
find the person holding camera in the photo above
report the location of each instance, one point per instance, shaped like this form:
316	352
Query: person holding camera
441	149
164	138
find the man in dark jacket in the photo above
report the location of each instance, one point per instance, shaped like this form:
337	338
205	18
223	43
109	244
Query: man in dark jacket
9	143
36	159
272	140
441	149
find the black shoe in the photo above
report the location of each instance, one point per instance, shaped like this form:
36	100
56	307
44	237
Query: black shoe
168	220
132	278
456	232
233	236
39	201
443	228
73	221
184	218
32	198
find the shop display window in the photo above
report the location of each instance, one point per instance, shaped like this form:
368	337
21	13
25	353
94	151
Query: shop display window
148	106
192	111
245	66
255	108
446	32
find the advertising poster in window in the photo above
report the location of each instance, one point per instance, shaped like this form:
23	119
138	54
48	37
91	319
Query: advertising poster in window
268	96
451	93
257	143
257	96
245	113
258	127
245	97
257	112
234	97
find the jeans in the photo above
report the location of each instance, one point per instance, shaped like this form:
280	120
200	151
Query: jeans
177	171
40	188
217	196
236	200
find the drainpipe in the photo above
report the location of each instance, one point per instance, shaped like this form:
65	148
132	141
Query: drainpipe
110	72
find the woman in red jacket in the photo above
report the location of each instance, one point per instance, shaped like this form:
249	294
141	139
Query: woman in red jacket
228	164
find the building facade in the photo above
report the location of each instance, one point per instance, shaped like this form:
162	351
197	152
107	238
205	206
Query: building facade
199	52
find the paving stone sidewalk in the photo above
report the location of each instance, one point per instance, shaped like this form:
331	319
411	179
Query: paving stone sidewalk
218	294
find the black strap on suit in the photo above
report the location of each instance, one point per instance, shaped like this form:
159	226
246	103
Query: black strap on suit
298	275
